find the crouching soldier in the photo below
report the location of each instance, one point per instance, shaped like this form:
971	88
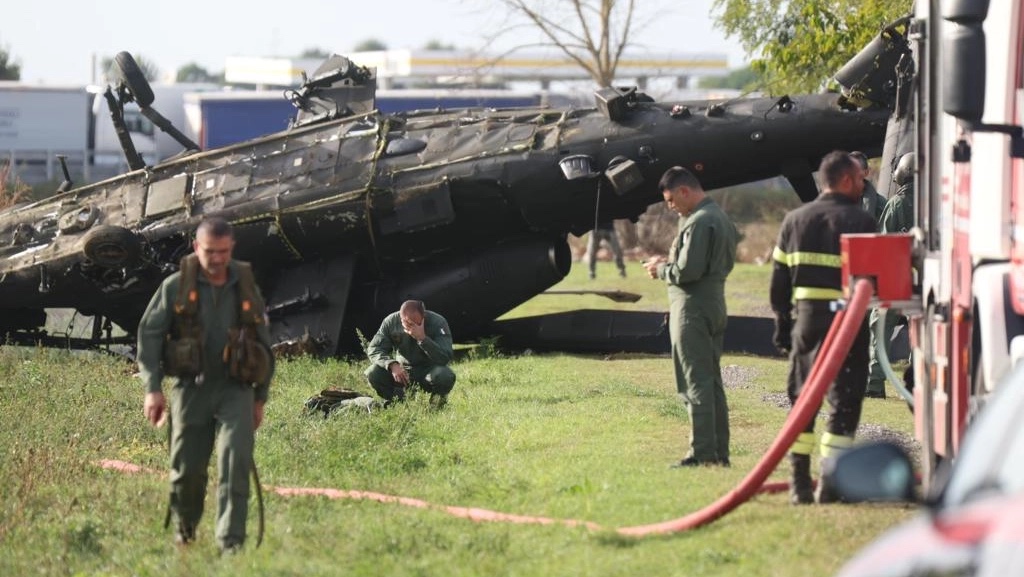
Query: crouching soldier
412	346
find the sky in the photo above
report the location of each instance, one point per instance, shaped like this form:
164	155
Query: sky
57	42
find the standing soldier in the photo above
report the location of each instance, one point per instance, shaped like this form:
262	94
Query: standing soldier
898	216
873	203
805	280
206	327
702	256
870	199
604	231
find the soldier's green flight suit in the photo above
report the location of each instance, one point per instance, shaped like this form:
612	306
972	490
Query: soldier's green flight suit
874	204
897	216
701	258
872	201
426	362
217	409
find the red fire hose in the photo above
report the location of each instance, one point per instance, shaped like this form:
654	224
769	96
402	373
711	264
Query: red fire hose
826	366
830	357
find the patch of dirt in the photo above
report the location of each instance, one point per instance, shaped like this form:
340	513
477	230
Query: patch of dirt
871	432
737	377
780	400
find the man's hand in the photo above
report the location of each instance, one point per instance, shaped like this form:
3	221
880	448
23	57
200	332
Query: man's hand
398	373
257	414
783	336
652	264
154	407
414	330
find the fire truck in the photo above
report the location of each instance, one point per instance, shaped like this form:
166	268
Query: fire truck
953	74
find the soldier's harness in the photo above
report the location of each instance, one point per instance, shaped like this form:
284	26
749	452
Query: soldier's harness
248	360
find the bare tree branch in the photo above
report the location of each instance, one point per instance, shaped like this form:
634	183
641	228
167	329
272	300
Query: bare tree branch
583	30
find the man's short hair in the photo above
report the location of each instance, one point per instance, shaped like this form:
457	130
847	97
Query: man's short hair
678	176
216	227
835	166
861	158
413	305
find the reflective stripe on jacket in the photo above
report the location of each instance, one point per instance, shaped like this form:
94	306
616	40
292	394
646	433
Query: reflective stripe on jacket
806	256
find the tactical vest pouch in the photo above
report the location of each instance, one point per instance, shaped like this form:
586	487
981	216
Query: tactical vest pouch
248	360
183	357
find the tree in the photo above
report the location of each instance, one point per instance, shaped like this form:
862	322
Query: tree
593	33
10	68
800	44
435	44
149	70
193	72
745	78
315	53
370	45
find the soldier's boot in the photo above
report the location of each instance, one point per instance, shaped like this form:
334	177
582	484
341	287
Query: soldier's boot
185	535
825	493
801	488
875	389
438	400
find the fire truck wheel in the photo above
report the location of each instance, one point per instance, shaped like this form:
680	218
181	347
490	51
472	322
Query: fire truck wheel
134	79
111	246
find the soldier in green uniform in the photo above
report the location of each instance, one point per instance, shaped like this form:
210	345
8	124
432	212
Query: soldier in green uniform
897	216
701	258
873	203
210	401
412	346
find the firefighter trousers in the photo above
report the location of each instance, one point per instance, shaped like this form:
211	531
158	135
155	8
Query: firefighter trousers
846	394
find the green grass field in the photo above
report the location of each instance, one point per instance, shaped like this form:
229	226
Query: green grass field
558	436
746	291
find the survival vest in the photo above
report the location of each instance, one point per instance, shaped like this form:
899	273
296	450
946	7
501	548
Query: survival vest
246	357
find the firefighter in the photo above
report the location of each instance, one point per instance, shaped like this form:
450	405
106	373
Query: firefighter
701	258
806	279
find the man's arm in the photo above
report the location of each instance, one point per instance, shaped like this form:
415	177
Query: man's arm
781	291
692	258
381	350
153	329
781	296
437	344
263	334
152	333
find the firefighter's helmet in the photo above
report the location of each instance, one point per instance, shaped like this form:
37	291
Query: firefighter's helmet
905	169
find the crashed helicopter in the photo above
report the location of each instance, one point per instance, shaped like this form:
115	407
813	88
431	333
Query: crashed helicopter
350	211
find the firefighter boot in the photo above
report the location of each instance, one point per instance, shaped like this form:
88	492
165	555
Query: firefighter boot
801	488
825	493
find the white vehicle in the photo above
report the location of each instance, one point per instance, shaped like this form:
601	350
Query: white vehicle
39	122
153	144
